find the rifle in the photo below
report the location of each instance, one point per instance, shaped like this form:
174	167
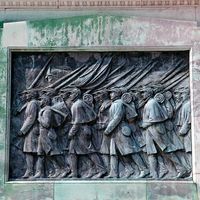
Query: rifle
129	79
168	73
173	74
59	112
18	143
59	81
118	68
149	67
76	74
178	80
41	72
168	87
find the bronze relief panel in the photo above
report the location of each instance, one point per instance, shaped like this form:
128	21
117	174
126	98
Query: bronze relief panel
100	116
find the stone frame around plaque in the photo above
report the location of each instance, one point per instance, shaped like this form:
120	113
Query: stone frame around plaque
94	49
181	35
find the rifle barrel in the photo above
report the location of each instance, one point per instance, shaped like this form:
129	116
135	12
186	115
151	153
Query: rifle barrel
66	76
142	75
41	72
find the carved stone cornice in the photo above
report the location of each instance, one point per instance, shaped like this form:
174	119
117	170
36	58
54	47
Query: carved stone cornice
94	4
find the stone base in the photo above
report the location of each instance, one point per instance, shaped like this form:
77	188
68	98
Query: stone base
127	191
94	190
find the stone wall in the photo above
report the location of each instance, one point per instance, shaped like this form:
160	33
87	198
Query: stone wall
104	32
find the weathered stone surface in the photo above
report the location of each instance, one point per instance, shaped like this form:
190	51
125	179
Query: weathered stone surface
171	191
3	86
27	191
178	13
109	31
101	191
195	91
141	33
15	34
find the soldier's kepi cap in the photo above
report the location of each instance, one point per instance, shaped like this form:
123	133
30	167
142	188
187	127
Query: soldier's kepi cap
145	88
117	89
44	96
181	90
74	90
159	97
99	92
66	90
47	89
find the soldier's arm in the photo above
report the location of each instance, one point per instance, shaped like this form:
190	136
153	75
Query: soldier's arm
116	119
45	119
30	120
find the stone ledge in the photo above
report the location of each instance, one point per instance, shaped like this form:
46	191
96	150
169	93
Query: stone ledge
92	4
127	191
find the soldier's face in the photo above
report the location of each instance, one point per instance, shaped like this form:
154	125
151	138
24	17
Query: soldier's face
72	96
64	96
28	96
185	96
101	99
177	96
113	95
42	102
23	97
88	99
145	94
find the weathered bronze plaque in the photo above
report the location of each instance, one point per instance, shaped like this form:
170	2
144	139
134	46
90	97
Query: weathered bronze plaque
99	115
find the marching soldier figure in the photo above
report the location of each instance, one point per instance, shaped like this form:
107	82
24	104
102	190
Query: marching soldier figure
47	143
120	132
30	131
80	136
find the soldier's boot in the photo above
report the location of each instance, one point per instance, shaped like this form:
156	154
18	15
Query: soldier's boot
56	167
153	166
56	173
99	165
89	173
189	170
28	174
184	160
128	168
29	162
182	171
144	171
64	172
74	170
65	169
113	167
106	161
189	160
40	167
162	166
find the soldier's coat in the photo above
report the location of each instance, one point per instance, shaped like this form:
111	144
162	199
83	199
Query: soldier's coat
154	116
47	143
30	127
82	116
184	124
119	130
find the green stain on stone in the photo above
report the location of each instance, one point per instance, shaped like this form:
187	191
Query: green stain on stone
3	72
172	191
3	89
1	24
79	31
28	191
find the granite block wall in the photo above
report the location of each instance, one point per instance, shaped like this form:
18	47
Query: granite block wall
104	32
